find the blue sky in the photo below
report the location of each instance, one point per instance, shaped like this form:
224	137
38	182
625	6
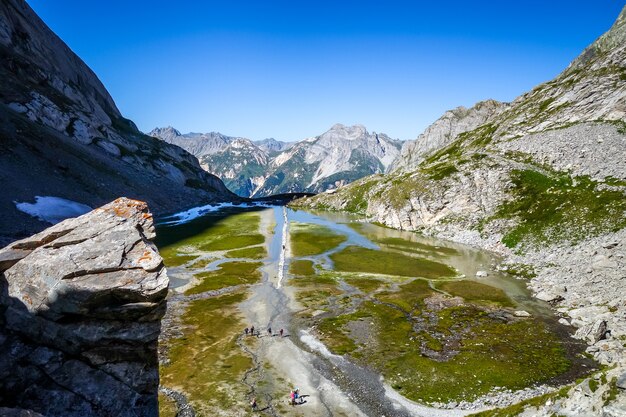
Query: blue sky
291	69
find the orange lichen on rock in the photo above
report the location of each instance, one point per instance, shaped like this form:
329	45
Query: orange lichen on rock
126	207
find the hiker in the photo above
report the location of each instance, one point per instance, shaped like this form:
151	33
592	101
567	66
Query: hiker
296	395
281	332
292	398
252	331
246	330
269	331
253	404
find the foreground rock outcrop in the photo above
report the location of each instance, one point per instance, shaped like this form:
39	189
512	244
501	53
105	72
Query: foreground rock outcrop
80	315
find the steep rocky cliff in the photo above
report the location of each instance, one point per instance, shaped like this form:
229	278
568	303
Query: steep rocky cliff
444	131
541	181
259	169
62	135
241	165
80	310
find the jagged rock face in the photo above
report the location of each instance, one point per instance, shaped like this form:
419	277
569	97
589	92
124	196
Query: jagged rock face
168	134
262	168
198	144
62	135
271	145
204	144
592	88
444	131
337	157
241	165
80	310
23	36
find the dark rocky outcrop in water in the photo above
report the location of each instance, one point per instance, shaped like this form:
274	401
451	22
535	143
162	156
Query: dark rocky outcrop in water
62	135
80	314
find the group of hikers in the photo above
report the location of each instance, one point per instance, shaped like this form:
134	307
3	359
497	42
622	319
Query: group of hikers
294	395
294	398
251	332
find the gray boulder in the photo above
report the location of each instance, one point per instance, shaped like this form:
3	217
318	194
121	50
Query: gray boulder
592	332
80	315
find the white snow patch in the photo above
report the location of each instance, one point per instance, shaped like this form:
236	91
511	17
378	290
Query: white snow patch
193	213
52	209
314	344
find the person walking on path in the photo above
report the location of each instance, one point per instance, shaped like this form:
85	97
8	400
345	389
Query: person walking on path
253	404
252	331
246	330
281	332
269	331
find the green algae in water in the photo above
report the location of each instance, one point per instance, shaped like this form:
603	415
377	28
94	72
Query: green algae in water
176	259
475	291
366	285
399	243
232	242
206	363
301	267
179	244
227	275
254	252
489	352
409	296
309	239
359	259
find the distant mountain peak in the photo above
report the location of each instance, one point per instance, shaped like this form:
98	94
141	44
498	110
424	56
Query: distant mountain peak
344	132
345	128
164	132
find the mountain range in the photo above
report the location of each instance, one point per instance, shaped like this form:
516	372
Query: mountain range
262	168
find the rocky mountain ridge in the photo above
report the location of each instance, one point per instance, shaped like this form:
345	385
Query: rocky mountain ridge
63	136
541	181
258	169
444	131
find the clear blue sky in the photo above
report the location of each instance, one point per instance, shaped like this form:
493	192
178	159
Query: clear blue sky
291	69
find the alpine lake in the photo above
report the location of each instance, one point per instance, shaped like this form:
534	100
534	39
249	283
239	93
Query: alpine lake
374	321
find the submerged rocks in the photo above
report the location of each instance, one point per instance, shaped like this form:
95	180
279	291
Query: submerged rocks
80	310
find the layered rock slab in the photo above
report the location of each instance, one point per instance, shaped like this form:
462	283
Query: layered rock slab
80	315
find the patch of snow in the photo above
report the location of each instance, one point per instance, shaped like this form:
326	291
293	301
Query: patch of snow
52	209
314	344
282	158
195	212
